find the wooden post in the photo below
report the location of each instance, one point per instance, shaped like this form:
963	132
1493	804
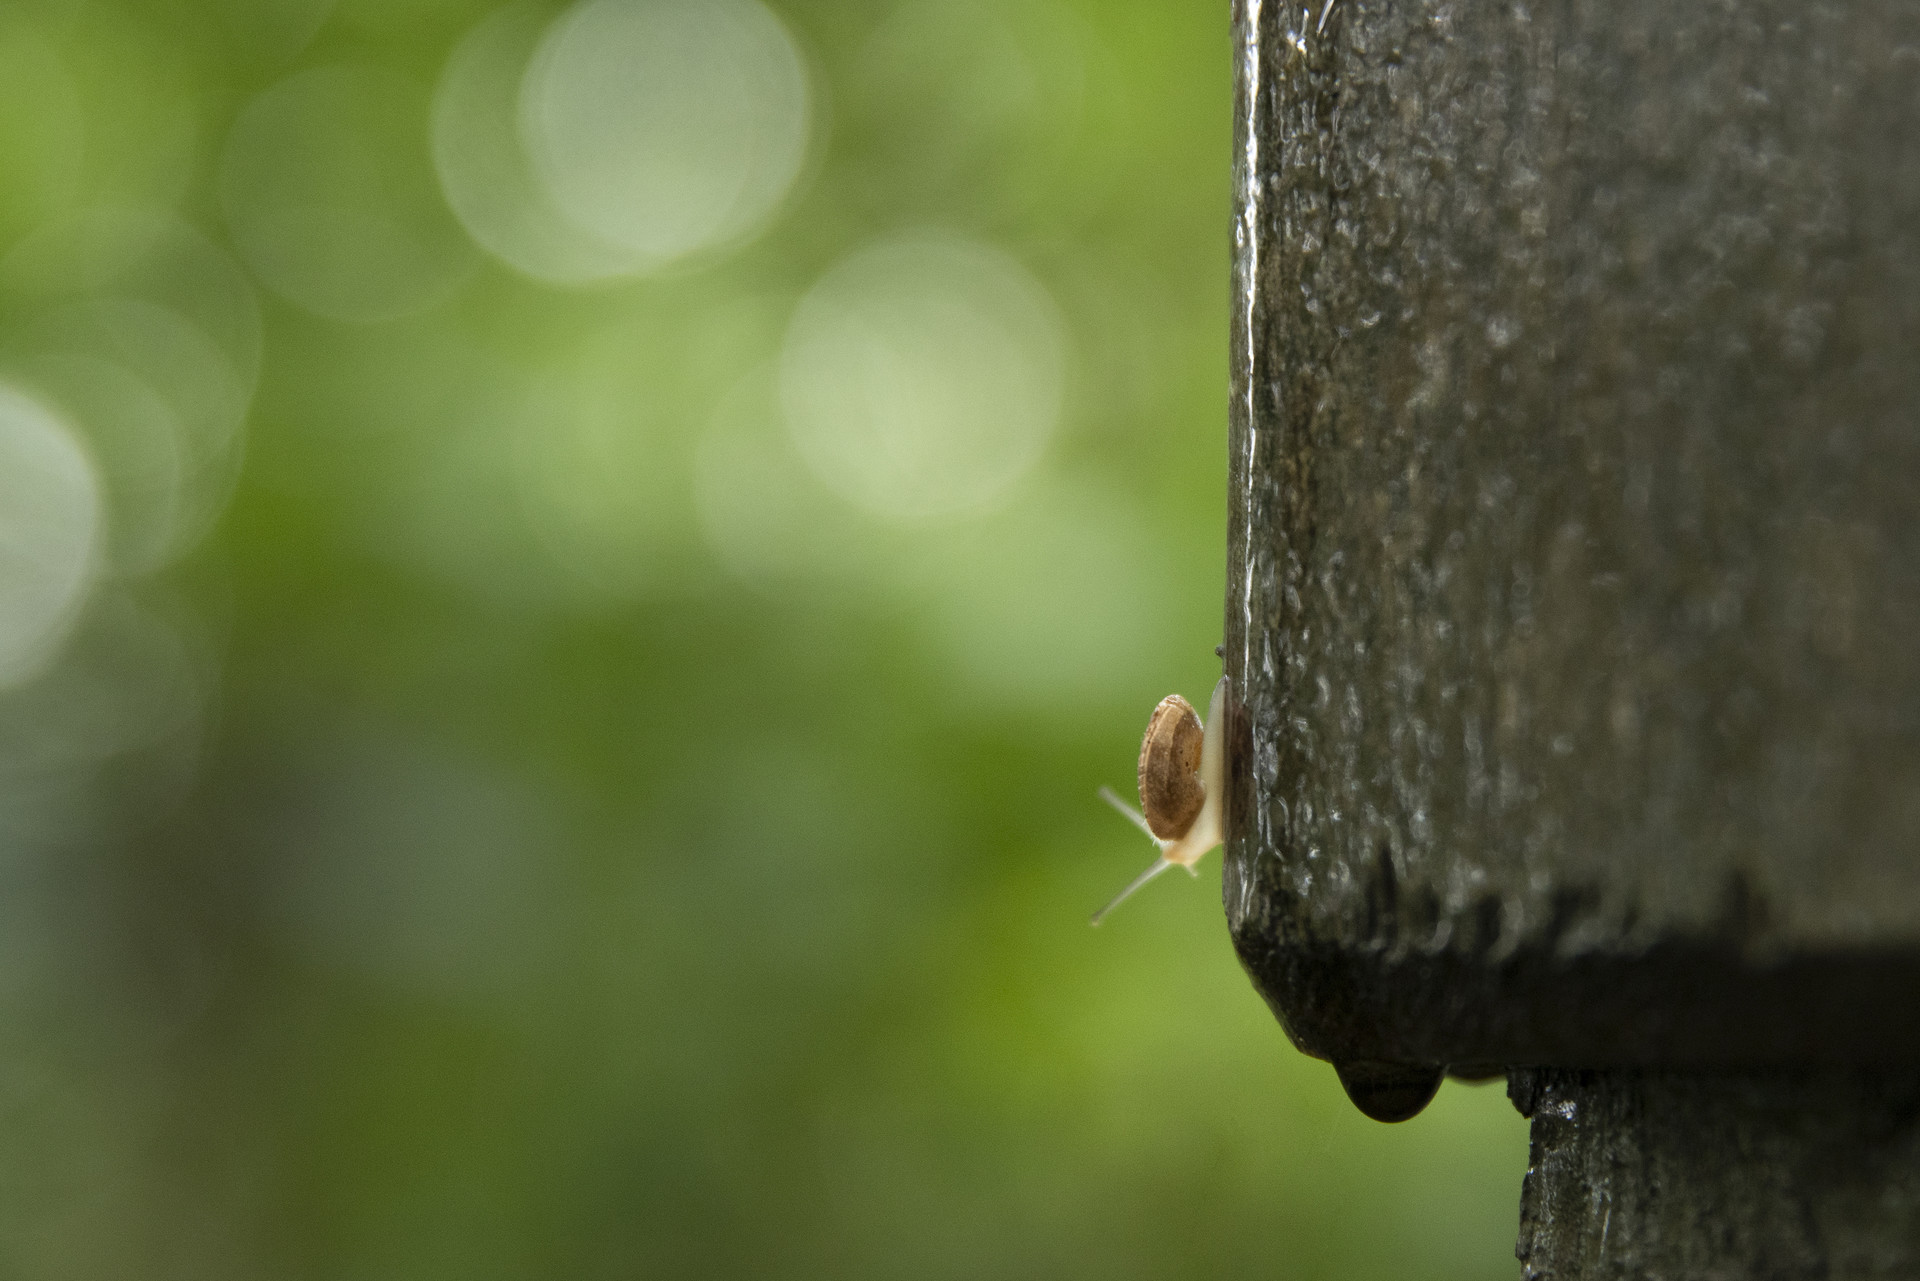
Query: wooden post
1574	595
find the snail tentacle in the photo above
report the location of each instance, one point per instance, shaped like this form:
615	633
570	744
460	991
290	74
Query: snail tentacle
1132	815
1159	865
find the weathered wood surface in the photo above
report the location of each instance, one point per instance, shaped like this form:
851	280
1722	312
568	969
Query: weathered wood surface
1574	601
1698	1177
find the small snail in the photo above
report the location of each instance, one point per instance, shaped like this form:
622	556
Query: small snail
1182	786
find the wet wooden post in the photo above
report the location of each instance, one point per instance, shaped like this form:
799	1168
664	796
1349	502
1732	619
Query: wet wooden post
1574	600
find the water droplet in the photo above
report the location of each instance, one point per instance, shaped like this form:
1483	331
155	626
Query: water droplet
1389	1091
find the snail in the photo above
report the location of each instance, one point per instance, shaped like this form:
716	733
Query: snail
1183	779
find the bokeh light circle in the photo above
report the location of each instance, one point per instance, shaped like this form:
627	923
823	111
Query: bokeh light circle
665	127
139	254
146	337
167	350
49	523
484	169
139	446
923	376
328	190
200	397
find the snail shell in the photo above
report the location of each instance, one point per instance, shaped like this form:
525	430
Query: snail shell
1171	793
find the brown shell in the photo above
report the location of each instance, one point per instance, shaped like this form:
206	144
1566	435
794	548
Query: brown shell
1170	789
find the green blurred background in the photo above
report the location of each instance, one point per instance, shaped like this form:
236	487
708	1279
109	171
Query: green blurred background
568	575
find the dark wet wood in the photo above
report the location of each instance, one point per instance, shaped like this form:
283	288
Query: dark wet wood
1574	594
1574	600
1800	1177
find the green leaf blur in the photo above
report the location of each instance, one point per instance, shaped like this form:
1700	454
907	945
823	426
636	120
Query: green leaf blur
554	666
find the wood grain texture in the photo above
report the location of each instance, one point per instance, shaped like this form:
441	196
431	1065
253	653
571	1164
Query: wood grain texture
1574	584
1700	1177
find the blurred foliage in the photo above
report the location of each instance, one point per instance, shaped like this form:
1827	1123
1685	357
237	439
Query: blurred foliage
555	824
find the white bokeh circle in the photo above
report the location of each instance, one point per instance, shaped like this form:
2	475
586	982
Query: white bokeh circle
666	127
139	254
49	524
329	193
923	376
139	450
484	169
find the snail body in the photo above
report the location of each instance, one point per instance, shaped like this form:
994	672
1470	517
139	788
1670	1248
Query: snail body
1182	787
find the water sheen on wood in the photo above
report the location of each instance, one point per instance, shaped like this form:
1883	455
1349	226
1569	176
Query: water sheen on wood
1574	584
